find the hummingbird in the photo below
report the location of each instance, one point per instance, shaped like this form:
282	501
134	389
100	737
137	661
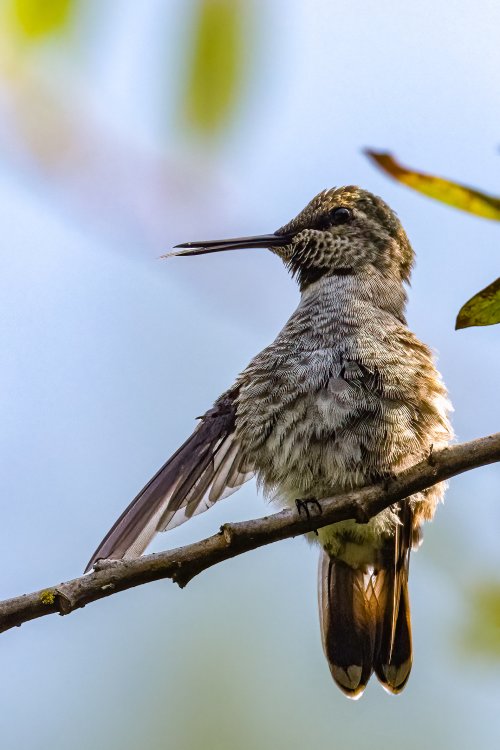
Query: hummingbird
345	396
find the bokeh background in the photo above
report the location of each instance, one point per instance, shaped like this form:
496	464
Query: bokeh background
125	128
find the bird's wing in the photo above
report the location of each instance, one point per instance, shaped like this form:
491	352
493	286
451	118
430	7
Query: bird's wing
206	468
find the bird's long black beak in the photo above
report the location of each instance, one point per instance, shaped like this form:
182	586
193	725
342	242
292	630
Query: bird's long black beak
237	243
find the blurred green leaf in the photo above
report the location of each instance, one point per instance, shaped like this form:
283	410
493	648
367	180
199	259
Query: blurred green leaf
483	309
215	70
482	632
36	18
451	193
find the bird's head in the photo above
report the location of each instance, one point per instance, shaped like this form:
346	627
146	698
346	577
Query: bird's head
343	230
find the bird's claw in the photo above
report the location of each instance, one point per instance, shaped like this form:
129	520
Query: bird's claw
303	506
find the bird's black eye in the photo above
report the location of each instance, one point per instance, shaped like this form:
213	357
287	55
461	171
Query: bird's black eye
340	215
335	217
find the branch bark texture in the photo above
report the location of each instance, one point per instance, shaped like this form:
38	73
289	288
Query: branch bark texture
182	564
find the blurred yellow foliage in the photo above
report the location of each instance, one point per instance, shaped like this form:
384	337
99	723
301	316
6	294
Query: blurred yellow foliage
215	70
445	191
482	634
36	18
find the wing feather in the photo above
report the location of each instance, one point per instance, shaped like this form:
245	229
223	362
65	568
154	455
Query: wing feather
206	468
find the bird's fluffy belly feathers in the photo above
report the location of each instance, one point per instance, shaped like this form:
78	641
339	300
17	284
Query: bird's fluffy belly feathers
319	449
317	422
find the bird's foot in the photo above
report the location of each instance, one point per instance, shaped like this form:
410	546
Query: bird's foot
305	506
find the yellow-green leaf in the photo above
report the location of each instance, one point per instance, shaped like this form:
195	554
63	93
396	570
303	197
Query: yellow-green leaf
482	632
216	68
483	309
452	193
36	18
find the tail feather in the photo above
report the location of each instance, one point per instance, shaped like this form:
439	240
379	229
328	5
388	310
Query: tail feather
394	656
347	625
365	616
394	653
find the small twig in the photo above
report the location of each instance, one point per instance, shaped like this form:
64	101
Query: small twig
182	564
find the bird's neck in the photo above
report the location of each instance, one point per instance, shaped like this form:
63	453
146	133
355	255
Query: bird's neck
353	300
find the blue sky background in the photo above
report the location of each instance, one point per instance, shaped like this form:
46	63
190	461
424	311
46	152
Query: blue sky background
110	353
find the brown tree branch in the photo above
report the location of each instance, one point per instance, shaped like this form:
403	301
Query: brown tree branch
182	564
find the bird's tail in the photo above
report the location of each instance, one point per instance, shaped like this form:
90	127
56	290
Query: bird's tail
365	624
